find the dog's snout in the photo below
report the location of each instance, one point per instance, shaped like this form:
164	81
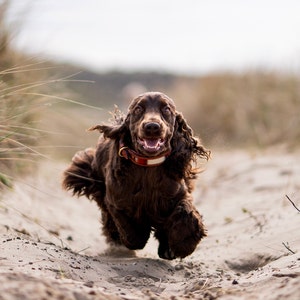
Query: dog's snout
152	128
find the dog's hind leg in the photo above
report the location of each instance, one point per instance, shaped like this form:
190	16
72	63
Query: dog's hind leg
109	227
78	176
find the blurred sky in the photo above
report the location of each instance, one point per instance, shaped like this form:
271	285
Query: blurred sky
182	36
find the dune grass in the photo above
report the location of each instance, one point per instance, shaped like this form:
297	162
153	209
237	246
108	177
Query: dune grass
17	134
21	78
18	117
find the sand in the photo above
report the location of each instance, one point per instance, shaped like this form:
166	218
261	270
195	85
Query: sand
51	245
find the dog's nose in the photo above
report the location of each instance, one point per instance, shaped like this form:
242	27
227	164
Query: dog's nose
152	128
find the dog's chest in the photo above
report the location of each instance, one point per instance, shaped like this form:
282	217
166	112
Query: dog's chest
147	191
153	182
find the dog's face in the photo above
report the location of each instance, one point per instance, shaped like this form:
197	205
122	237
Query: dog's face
151	122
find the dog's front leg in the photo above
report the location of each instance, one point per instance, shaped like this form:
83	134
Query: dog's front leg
134	235
185	228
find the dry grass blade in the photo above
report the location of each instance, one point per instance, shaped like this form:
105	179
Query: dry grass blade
64	99
293	203
23	146
4	181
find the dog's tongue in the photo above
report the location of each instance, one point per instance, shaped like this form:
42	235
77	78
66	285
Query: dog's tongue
152	144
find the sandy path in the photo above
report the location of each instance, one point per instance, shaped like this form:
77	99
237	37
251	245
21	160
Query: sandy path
51	245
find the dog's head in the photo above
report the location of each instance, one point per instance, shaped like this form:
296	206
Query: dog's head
151	121
153	126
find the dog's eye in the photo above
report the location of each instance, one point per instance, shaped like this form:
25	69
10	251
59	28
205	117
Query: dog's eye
167	110
138	110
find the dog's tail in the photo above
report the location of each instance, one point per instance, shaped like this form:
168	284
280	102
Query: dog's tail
80	178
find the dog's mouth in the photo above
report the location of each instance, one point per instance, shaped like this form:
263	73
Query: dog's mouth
151	145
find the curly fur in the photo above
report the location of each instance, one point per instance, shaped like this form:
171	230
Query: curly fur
134	200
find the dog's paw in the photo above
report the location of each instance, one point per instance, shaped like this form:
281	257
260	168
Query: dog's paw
185	232
134	243
168	254
165	252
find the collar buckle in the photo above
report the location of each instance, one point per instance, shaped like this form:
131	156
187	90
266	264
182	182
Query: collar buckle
122	152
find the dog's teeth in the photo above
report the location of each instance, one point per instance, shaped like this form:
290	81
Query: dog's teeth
151	143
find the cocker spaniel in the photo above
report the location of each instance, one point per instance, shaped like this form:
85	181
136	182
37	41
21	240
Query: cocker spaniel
140	175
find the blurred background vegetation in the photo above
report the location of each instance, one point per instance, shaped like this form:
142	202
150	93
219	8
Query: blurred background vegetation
45	107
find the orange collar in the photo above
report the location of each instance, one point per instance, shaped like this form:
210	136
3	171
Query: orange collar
141	160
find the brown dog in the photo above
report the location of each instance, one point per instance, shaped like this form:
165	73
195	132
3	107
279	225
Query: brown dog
141	176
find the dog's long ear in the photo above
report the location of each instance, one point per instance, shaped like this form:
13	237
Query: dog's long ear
110	131
114	131
184	141
185	149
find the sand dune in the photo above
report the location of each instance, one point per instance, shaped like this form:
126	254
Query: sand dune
51	245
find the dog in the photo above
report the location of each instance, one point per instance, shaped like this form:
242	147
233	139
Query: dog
141	176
